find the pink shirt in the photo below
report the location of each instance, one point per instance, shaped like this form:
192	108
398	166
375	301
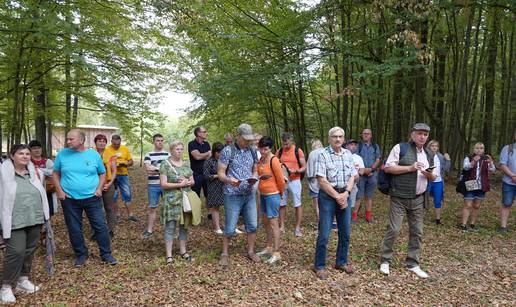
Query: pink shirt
394	159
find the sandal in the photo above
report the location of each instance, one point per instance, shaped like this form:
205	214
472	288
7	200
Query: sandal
170	260
186	256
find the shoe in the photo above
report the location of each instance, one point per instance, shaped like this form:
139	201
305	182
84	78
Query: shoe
417	270
169	260
345	268
321	273
209	216
146	234
438	222
219	232
133	218
224	260
238	231
25	285
274	258
265	252
186	256
334	226
502	230
7	295
298	232
472	228
464	227
80	261
110	260
371	221
384	268
253	257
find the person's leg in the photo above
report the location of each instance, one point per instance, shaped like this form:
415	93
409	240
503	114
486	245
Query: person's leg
508	195
154	194
215	218
32	239
315	205
125	192
360	194
14	256
474	211
370	186
250	220
396	214
93	208
326	212
169	230
109	207
72	212
297	190
232	208
273	205
438	191
344	232
258	203
466	209
415	217
283	208
183	236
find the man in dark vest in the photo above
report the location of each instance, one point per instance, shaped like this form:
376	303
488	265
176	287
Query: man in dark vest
410	174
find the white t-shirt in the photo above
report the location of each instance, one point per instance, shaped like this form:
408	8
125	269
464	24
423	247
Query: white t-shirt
358	162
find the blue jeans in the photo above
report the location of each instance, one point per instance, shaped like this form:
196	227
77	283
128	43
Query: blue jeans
72	211
328	208
234	205
123	187
270	205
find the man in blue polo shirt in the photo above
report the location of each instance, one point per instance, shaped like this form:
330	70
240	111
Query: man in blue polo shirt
79	177
508	166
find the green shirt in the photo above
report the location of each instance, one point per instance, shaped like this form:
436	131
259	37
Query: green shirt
173	198
28	206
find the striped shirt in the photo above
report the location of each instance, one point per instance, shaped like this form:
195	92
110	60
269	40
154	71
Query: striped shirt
337	168
154	158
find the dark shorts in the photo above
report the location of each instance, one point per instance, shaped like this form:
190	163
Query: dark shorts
508	194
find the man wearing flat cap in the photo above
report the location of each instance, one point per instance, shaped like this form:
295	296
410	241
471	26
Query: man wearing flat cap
409	165
237	169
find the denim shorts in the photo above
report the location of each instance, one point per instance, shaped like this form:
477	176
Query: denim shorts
234	205
155	193
270	204
473	195
313	194
123	187
508	194
366	186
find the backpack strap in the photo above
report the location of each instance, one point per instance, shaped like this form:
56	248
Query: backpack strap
280	152
296	153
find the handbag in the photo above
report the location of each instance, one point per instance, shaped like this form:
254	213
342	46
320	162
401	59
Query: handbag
187	207
472	185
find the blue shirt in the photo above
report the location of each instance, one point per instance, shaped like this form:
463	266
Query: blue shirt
508	159
369	153
240	167
79	172
337	168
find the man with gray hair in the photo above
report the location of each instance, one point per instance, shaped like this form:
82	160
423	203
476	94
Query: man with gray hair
293	158
336	175
410	167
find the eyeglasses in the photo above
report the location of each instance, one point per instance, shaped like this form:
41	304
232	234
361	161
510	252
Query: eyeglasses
337	136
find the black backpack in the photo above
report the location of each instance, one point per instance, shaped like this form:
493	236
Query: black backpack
384	179
296	153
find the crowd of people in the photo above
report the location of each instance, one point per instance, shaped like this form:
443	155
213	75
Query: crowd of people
249	180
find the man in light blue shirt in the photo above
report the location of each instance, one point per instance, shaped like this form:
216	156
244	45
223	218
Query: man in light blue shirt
508	166
79	176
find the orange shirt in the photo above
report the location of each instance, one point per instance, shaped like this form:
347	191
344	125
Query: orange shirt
274	184
288	157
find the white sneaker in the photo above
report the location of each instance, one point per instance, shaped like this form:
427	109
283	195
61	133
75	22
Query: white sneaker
7	294
219	232
418	271
384	268
238	231
274	258
264	252
25	285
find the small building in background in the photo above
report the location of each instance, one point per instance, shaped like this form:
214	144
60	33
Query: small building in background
59	138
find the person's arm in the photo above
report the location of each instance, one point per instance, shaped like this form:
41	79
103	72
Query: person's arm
102	180
467	165
491	165
163	180
206	170
302	161
392	167
278	175
222	167
112	165
200	156
447	162
56	179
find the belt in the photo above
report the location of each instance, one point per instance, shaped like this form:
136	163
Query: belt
340	190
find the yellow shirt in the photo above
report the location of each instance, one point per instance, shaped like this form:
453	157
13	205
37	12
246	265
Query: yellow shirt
107	159
122	155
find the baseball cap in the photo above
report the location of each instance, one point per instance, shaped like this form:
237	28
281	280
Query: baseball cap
34	143
421	127
246	132
351	141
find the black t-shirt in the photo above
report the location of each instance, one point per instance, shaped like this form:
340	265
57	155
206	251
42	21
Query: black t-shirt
197	165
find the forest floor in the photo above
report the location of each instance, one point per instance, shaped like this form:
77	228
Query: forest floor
465	268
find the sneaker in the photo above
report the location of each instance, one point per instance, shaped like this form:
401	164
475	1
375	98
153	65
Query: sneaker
321	273
238	231
80	261
438	222
7	294
25	285
472	228
298	232
334	225
345	268
224	260
384	268
209	217
253	257
146	234
109	260
274	258
417	270
133	218
219	232
463	227
502	230
265	252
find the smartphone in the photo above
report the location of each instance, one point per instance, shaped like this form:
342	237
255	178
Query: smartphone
252	181
431	168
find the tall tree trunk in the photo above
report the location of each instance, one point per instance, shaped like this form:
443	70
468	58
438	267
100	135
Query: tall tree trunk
421	77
